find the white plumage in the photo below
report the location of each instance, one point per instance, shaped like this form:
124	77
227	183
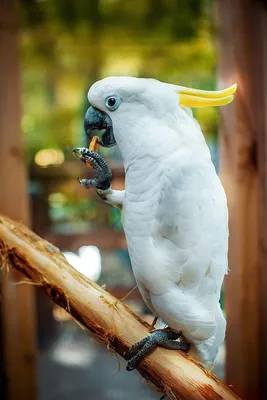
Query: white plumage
174	209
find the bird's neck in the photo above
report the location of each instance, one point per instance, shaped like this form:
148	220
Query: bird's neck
149	138
146	142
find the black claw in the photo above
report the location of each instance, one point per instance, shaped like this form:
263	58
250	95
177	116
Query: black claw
185	347
102	171
134	349
166	338
130	367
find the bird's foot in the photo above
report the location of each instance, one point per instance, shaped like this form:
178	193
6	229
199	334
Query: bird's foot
102	172
166	338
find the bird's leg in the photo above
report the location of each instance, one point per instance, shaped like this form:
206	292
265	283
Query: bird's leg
152	327
166	338
113	197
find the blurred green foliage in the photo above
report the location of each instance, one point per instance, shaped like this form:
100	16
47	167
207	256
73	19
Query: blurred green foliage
66	205
66	45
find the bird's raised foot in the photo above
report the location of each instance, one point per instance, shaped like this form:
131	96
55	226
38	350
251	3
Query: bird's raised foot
102	172
166	338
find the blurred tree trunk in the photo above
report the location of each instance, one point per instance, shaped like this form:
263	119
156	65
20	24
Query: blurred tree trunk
242	29
17	303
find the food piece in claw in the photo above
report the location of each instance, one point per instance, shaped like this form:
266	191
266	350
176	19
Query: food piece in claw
94	160
93	147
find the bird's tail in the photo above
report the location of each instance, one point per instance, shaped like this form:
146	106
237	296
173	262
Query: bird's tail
206	351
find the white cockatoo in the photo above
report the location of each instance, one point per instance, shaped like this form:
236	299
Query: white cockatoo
174	208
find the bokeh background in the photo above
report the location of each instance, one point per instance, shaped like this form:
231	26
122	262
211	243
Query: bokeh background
65	47
59	48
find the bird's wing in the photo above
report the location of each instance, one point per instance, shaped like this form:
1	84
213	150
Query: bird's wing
192	220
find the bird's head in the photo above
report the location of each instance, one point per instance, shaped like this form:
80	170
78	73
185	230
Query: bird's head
123	108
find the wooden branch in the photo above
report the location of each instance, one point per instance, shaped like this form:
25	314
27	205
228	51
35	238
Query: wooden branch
172	372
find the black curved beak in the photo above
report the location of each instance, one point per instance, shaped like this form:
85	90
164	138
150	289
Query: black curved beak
99	120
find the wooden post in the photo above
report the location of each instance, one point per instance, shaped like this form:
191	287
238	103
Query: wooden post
17	302
242	41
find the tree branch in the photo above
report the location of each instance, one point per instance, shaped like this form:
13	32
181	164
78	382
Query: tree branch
172	372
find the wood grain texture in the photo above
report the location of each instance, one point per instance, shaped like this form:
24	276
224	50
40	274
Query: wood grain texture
113	322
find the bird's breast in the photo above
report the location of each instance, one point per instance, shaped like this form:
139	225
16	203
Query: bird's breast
141	229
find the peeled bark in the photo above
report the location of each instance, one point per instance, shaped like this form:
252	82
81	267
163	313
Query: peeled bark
172	372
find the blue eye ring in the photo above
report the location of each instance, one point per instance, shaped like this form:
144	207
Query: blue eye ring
112	102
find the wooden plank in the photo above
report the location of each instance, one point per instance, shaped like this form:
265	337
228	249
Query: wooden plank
243	151
17	305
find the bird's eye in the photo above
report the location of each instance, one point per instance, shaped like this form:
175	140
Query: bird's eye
112	102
